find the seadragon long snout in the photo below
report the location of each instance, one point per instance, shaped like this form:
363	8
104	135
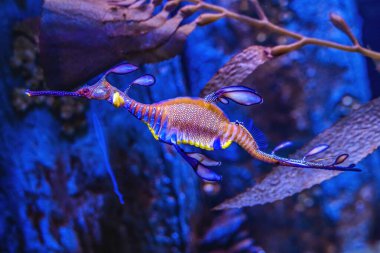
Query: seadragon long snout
240	135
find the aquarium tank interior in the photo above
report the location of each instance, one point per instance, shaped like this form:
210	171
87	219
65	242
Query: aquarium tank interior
210	126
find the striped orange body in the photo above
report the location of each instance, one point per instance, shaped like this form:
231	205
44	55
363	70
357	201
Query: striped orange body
186	120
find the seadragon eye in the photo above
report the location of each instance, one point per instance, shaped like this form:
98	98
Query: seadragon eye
84	91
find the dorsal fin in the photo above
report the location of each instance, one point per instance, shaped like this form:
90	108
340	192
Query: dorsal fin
239	94
258	135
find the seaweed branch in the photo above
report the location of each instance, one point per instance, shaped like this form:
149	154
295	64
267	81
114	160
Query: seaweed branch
301	40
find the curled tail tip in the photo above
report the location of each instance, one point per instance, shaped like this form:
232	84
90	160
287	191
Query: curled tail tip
351	167
343	169
339	160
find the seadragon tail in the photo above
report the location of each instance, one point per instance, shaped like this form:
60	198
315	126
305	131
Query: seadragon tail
245	140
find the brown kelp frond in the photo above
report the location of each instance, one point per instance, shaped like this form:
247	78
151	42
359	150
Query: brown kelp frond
238	68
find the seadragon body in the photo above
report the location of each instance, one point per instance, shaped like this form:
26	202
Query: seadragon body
185	121
195	121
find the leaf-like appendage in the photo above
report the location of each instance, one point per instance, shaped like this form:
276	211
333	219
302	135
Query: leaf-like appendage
122	69
145	80
239	94
282	146
357	134
238	69
340	159
316	150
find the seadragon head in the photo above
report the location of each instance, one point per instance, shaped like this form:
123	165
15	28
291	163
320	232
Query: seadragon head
102	89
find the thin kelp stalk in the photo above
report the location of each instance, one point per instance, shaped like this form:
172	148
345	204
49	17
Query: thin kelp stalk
103	145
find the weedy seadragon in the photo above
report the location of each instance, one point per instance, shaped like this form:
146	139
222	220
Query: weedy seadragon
196	121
